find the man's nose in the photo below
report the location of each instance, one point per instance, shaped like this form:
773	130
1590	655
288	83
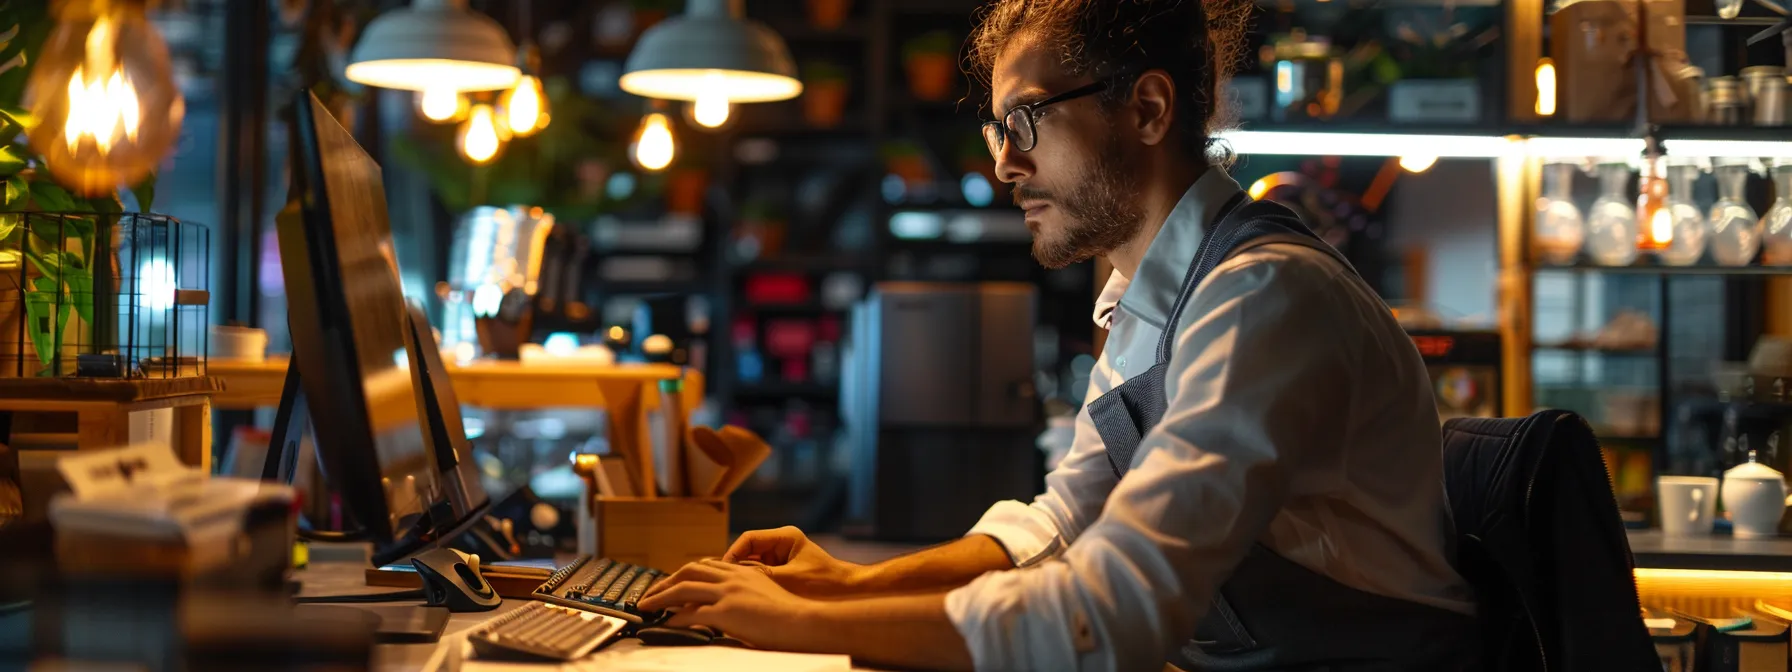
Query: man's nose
1012	165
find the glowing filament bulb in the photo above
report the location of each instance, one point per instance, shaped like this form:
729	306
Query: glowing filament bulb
1417	164
479	140
654	147
104	110
523	106
1546	87
710	110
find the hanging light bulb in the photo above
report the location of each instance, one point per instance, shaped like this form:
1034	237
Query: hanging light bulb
104	97
441	105
525	106
710	111
481	136
653	147
1417	164
1652	211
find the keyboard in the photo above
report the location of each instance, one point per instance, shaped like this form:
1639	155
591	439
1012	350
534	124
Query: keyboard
542	630
603	586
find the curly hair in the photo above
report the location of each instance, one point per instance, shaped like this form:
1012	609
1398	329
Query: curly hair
1198	42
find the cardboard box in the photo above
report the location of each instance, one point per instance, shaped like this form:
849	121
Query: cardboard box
664	533
1592	43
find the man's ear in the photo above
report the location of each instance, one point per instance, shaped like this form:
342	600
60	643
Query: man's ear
1154	94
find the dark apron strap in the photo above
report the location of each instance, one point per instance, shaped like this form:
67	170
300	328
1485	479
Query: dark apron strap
1192	277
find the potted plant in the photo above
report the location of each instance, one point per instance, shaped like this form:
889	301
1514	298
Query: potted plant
760	233
931	61
825	89
684	191
906	160
828	14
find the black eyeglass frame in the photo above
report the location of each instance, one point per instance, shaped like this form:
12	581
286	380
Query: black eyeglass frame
996	132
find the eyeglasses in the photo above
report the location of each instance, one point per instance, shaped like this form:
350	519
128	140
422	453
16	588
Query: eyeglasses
1018	123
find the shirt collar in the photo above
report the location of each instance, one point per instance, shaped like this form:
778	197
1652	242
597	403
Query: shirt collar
1153	290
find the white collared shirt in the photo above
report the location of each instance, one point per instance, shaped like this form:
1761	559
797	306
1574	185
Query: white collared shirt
1300	415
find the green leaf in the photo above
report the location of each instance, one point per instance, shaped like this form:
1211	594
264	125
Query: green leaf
17	190
9	223
50	266
145	192
18	117
11	161
51	197
38	307
80	285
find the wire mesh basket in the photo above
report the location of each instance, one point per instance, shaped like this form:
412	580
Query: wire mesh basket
103	295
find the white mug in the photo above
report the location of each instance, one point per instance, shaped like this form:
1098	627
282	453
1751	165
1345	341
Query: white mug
1688	504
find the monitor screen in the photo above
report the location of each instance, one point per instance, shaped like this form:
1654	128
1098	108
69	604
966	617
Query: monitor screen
355	349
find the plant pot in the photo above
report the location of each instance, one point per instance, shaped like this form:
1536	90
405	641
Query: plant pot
930	76
828	14
824	103
684	192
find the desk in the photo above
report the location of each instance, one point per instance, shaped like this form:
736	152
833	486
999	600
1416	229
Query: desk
626	391
344	577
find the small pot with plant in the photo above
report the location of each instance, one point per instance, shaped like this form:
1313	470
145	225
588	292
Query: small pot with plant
825	89
829	14
906	160
931	61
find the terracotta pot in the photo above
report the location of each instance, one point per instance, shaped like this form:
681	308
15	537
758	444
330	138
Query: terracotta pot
824	103
828	14
930	76
684	191
912	169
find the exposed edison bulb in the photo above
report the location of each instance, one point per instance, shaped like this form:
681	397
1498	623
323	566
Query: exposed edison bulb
1652	209
525	107
481	136
653	148
1546	87
1417	164
441	105
104	98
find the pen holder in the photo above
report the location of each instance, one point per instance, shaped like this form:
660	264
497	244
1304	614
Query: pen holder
663	533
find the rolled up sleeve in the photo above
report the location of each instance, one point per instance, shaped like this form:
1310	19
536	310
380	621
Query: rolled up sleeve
1250	371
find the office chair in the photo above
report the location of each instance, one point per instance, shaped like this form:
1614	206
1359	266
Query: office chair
1539	539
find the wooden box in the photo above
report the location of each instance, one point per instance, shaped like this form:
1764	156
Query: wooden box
663	533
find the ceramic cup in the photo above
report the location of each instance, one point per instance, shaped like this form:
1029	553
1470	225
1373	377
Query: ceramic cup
1755	505
1688	504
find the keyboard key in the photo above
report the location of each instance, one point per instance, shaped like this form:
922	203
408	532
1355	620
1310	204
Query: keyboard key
637	589
614	594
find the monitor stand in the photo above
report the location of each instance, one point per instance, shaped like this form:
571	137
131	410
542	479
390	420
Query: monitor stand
292	423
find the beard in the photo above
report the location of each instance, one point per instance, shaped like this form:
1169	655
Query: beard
1100	214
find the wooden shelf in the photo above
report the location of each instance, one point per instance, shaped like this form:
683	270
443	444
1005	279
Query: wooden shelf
1654	269
1721	552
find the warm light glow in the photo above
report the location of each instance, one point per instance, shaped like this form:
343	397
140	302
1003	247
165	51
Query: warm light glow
735	86
440	105
525	107
1661	227
654	146
1711	578
103	111
1417	164
479	140
1652	209
617	334
423	74
1259	188
710	111
1546	87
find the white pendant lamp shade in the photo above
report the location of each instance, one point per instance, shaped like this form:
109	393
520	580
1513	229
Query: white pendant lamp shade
709	51
434	45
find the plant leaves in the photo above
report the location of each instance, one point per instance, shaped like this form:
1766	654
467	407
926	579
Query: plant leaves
18	117
11	160
80	285
9	222
145	193
49	267
37	311
17	190
51	197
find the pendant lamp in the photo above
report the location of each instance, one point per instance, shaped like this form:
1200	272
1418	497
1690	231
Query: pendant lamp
708	52
434	45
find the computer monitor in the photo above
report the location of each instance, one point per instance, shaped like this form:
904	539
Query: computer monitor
364	367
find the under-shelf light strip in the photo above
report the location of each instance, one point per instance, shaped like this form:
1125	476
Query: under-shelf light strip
1483	147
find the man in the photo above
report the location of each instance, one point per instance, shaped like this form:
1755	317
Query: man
1260	490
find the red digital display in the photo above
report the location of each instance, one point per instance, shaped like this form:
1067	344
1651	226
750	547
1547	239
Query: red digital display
1434	346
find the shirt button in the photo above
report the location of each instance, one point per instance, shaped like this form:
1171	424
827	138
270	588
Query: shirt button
1120	363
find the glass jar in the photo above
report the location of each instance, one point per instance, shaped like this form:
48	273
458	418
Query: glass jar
1777	224
1560	229
1735	232
1691	231
1611	226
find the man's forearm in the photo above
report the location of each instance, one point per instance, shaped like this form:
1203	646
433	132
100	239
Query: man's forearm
909	632
935	569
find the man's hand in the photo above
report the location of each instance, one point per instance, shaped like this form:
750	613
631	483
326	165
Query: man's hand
796	563
739	600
